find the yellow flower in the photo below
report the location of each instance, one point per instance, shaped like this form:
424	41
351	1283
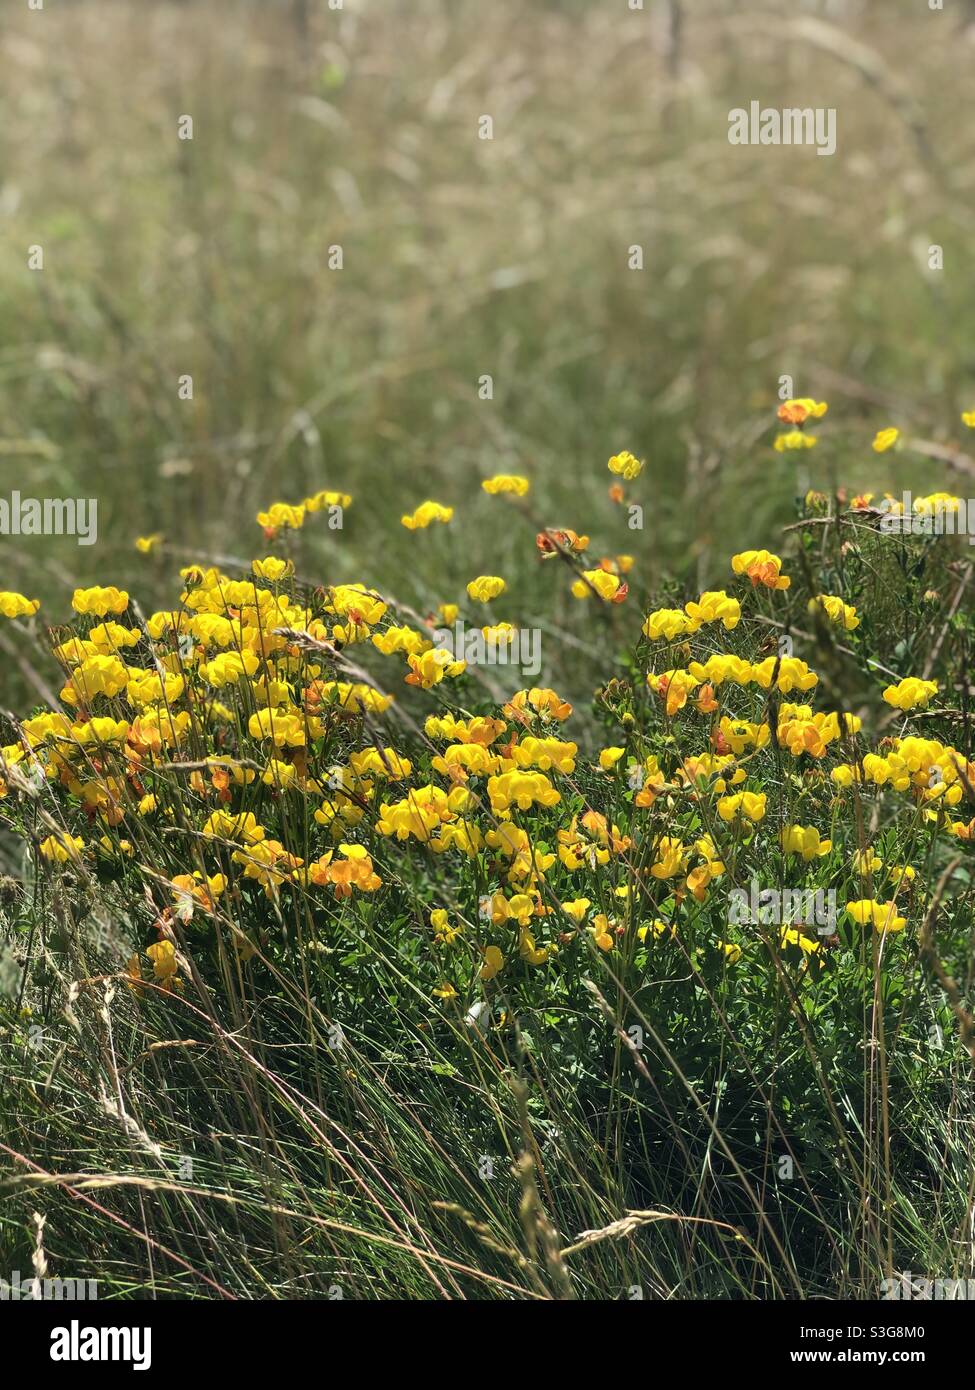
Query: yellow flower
380	762
667	622
99	601
61	847
243	827
268	862
647	779
712	607
149	688
108	637
13	605
401	639
910	693
97	675
749	804
700	877
426	513
530	952
95	731
625	465
602	930
228	668
706	701
493	963
670	858
459	760
576	908
792	937
485	588
357	602
837	611
521	908
444	933
793	674
284	727
521	790
355	697
272	568
761	567
279	515
968	418
43	727
674	687
146	544
192	890
545	702
499	634
866	862
658	927
608	586
720	668
794	439
164	962
133	975
804	840
883	916
801	731
797	412
545	754
609	757
354	870
506	482
445	991
431	667
421	813
886	439
322	499
741	734
279	774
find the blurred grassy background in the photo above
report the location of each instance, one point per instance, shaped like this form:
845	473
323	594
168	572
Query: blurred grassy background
358	127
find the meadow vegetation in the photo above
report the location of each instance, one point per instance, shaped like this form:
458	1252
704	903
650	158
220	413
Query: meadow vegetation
332	963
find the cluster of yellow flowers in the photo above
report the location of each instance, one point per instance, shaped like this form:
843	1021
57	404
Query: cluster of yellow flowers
929	770
240	722
289	516
796	413
712	607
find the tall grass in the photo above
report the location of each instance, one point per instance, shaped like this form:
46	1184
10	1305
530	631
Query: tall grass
463	258
662	1123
